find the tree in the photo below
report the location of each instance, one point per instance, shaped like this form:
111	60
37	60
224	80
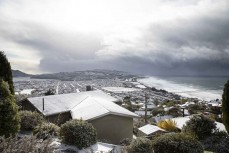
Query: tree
5	71
158	110
9	118
225	104
127	103
50	92
200	126
175	112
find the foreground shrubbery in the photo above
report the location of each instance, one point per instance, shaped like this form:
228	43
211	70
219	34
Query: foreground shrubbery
46	130
200	125
29	120
78	133
25	145
218	142
140	145
177	143
9	118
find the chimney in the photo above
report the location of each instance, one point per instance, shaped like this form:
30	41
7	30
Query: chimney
43	103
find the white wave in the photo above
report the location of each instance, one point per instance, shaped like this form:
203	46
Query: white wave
185	90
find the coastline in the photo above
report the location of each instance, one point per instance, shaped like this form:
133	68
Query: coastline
180	89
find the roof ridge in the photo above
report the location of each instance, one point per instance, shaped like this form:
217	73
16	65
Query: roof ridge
102	105
79	102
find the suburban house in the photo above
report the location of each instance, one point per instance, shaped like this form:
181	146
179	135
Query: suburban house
150	130
112	122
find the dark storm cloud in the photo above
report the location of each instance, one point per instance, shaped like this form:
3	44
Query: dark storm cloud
196	44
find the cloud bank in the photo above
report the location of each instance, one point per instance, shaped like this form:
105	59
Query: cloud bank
159	38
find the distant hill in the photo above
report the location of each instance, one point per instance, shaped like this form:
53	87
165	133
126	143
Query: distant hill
17	73
85	75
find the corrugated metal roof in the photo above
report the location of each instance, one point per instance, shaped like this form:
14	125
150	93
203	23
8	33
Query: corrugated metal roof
86	105
149	129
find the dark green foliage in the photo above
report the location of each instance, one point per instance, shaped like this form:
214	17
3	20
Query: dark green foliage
46	130
25	145
140	145
177	143
50	92
29	120
175	112
9	119
79	133
200	125
158	110
5	71
125	142
127	103
196	108
225	104
218	142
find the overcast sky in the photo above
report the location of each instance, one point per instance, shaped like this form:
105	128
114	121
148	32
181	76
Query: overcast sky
159	37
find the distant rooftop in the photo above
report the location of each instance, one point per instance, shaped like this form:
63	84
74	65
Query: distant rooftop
149	129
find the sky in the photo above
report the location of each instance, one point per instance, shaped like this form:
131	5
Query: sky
152	37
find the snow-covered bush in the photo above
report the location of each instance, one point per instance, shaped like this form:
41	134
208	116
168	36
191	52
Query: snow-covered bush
29	120
46	130
79	133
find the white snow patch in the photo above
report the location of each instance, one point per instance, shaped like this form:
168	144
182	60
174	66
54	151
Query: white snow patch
120	89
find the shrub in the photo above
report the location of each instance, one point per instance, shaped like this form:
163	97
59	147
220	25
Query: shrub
200	125
29	120
140	145
195	108
25	145
168	125
125	142
175	112
225	104
177	143
218	142
158	110
9	118
78	133
46	130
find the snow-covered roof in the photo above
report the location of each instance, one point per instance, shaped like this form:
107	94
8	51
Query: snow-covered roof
86	105
181	121
159	118
142	113
102	148
149	129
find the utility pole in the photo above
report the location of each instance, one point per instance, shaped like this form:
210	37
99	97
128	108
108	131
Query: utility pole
146	102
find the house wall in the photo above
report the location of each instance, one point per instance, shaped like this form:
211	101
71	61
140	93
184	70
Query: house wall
56	118
59	118
26	105
113	128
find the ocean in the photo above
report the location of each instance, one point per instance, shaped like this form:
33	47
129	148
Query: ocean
205	88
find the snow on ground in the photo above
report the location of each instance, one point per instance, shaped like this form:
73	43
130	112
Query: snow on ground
120	89
26	91
99	147
140	86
